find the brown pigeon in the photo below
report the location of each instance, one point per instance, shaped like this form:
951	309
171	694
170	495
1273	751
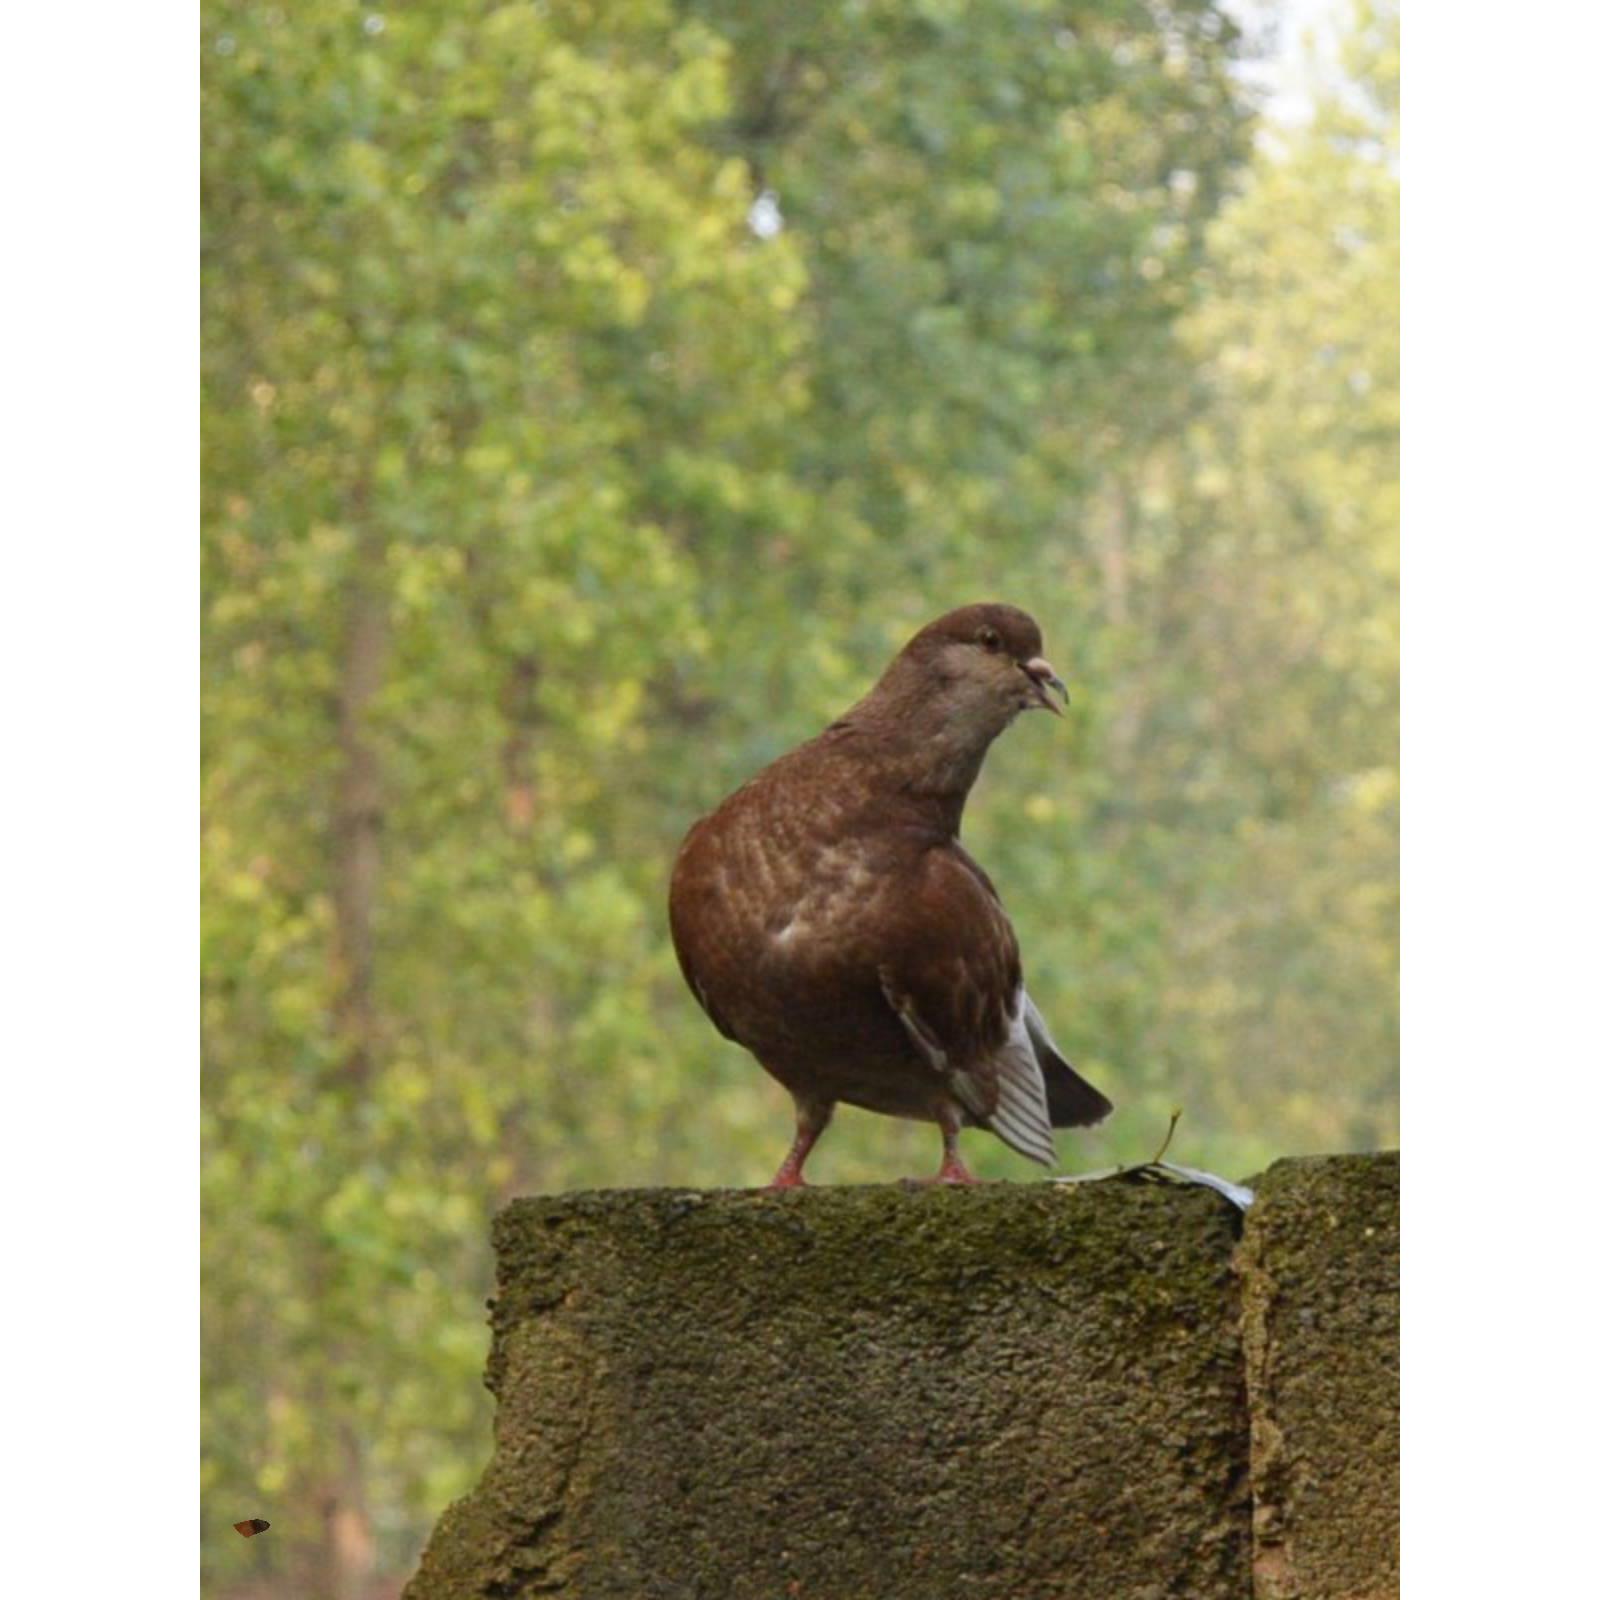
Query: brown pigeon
828	919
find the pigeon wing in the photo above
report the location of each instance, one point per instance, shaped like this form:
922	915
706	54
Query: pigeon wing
954	979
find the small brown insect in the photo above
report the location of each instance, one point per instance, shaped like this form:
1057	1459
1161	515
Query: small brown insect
251	1528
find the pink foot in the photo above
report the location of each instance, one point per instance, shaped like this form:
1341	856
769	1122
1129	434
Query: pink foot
952	1169
811	1118
950	1172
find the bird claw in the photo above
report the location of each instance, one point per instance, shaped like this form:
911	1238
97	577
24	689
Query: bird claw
952	1174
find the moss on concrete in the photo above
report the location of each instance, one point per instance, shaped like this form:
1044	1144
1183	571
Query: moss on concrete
1320	1272
861	1394
1007	1393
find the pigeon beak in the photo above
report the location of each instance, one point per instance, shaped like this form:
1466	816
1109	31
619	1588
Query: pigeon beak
1044	675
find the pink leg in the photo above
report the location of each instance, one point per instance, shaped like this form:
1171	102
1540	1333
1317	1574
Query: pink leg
952	1169
811	1117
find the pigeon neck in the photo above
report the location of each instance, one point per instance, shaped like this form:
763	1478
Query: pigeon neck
941	765
931	761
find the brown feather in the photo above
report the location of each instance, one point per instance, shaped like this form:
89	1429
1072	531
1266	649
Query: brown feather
828	919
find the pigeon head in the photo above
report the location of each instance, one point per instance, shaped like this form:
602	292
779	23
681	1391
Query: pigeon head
976	669
959	684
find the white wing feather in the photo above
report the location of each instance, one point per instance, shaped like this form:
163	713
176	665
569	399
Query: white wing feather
1021	1116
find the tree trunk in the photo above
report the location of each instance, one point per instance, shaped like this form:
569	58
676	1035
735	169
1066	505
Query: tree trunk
520	705
344	1554
351	1553
358	810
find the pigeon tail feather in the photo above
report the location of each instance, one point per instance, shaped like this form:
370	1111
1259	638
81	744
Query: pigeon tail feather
1021	1117
1074	1102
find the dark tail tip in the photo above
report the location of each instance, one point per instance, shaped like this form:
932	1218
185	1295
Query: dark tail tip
1074	1102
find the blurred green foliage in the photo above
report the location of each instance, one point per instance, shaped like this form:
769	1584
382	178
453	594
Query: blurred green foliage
545	498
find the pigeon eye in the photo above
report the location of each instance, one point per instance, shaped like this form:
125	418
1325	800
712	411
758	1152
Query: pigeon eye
989	639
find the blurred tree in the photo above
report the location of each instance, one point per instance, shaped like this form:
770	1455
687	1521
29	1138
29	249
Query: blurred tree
460	270
999	206
1257	746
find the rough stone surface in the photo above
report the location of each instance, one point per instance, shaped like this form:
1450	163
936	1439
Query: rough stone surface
1007	1393
1320	1272
1004	1393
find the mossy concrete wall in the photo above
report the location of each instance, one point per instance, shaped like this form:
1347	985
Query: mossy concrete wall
1320	1271
883	1393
